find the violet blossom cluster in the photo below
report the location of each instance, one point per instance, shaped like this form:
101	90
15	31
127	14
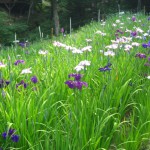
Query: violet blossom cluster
133	18
146	45
105	68
76	83
23	84
118	31
17	62
11	134
140	55
133	33
23	44
4	83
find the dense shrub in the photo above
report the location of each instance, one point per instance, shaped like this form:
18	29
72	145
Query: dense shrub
8	28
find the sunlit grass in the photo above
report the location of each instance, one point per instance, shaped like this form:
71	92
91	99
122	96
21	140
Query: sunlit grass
112	113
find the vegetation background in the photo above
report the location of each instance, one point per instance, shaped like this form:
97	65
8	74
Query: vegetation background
24	17
39	111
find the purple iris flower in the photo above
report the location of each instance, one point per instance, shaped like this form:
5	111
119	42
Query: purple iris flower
133	33
21	83
133	18
77	77
19	62
119	31
71	84
1	83
4	83
79	84
148	18
15	138
11	131
76	84
108	65
62	30
34	79
106	68
22	44
140	55
7	82
148	58
145	45
116	35
4	135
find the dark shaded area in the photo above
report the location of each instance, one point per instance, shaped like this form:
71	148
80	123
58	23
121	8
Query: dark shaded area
26	25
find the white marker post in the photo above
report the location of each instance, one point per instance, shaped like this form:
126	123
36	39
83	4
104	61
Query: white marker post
16	41
15	37
40	32
119	8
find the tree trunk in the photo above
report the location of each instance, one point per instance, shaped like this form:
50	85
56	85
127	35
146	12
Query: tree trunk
139	5
9	7
55	16
29	13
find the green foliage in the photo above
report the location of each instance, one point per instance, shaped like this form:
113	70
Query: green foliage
8	28
81	12
112	113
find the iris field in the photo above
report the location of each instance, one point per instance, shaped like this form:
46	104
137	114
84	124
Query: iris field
85	91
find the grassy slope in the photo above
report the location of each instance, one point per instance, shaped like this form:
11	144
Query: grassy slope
108	114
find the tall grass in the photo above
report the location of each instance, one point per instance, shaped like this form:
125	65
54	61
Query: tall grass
112	113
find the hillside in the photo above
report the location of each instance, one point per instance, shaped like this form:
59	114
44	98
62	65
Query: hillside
88	90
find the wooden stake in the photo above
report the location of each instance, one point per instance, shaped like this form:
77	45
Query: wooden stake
119	8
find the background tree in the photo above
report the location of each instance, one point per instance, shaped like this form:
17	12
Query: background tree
55	16
9	6
139	5
56	13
